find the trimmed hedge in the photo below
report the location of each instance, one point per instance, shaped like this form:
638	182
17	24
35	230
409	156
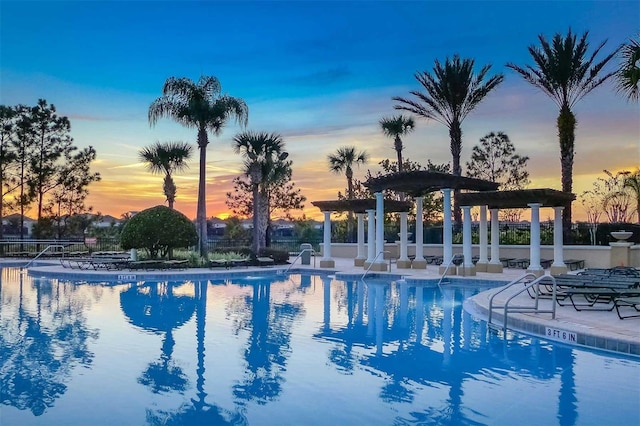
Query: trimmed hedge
158	230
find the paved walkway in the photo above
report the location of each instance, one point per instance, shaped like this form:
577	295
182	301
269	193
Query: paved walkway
596	329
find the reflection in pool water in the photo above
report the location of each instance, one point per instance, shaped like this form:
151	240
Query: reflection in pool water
301	349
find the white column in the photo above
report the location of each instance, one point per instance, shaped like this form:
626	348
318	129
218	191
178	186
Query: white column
371	236
494	264
326	261
403	236
558	266
419	259
379	227
447	236
466	235
468	268
360	258
534	247
403	261
326	240
483	259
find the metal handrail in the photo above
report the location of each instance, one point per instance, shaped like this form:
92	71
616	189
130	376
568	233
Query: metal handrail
454	257
300	256
535	282
42	252
374	261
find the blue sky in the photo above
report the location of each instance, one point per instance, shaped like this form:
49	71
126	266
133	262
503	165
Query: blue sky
320	73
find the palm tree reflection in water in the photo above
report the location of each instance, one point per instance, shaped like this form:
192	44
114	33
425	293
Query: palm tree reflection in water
269	343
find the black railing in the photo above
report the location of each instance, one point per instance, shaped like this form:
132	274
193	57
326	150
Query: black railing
510	234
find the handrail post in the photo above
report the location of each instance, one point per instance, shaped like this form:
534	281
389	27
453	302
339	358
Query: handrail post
300	256
42	252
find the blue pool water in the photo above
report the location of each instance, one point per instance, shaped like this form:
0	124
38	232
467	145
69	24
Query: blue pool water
298	350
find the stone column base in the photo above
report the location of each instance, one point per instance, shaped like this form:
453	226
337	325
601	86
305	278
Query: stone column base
328	263
481	267
358	262
619	254
466	271
419	264
557	270
536	272
403	264
495	268
451	270
377	267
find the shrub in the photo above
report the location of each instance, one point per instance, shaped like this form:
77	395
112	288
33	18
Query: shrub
236	252
158	230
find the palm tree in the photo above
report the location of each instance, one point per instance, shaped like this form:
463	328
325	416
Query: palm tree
566	73
201	106
261	152
343	160
394	127
452	91
628	75
632	181
167	157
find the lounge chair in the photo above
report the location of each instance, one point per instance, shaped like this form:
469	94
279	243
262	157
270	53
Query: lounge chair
219	263
505	261
574	264
147	265
627	301
592	292
176	264
239	262
265	261
615	271
546	263
521	263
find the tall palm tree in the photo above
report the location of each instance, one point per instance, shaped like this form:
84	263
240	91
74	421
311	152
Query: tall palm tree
566	73
261	152
632	181
395	127
343	160
628	76
201	106
166	157
451	92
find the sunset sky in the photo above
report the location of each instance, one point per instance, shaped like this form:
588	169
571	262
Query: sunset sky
321	74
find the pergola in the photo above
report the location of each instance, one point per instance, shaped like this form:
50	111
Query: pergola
359	207
523	198
485	194
421	182
417	184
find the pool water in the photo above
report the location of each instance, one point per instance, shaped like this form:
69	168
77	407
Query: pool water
298	350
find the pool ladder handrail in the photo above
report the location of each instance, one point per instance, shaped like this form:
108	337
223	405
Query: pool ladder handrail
374	261
42	252
299	256
454	257
527	285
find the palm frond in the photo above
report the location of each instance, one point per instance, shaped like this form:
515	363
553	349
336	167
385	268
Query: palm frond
451	91
563	69
628	74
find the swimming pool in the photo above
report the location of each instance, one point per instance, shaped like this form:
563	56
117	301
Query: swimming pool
301	349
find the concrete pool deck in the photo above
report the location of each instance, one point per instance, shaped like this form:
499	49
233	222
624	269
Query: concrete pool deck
601	330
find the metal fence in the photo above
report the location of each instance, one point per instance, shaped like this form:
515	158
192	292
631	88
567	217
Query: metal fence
510	234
